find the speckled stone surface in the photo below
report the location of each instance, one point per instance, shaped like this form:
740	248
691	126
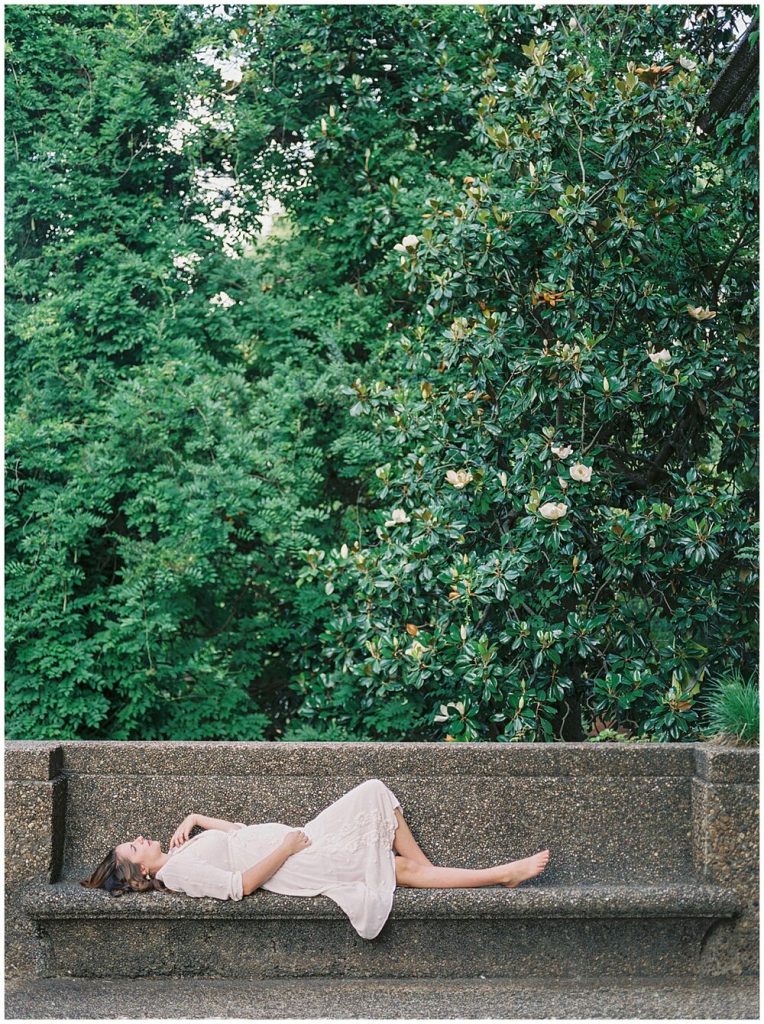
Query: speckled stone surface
727	764
492	931
471	806
726	824
533	900
378	759
644	822
33	760
386	999
285	948
34	831
468	821
34	828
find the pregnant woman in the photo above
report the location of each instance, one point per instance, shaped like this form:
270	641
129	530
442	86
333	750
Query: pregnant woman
347	853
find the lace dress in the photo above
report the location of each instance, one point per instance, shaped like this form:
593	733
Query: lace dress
350	858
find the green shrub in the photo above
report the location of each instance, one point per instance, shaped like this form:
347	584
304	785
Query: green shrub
565	523
732	709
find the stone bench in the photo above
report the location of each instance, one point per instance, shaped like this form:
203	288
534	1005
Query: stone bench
653	865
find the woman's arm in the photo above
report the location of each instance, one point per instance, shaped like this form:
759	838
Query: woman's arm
183	831
219	823
254	877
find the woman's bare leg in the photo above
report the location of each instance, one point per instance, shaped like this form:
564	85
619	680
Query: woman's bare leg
405	844
415	875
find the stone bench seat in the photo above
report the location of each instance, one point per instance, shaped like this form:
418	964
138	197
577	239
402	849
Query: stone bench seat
69	899
537	929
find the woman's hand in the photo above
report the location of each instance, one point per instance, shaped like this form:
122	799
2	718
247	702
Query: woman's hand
295	841
183	831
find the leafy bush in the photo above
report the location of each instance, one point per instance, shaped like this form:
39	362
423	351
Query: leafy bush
158	498
568	523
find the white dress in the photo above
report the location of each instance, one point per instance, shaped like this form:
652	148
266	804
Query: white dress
350	858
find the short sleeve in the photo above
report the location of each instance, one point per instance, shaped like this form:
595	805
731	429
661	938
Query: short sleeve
195	878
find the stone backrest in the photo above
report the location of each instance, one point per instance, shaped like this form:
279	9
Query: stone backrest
608	813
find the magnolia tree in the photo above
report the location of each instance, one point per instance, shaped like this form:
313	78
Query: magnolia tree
566	538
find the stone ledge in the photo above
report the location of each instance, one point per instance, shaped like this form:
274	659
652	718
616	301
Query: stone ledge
727	765
37	760
437	760
69	900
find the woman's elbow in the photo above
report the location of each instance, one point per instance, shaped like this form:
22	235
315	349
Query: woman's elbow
249	885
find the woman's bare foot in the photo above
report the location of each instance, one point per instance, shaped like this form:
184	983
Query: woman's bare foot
521	870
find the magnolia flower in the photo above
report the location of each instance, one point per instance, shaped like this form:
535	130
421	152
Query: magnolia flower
397	516
416	650
563	482
409	242
553	510
699	313
344	552
664	356
581	472
459	479
503	478
562	452
687	64
605	385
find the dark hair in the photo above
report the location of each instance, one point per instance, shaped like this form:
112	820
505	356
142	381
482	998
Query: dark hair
118	876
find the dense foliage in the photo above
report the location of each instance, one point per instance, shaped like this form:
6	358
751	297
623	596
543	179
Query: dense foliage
469	452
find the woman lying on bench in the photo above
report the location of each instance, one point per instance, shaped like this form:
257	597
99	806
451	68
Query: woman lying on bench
347	853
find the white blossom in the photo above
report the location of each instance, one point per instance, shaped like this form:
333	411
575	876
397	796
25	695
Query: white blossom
409	242
553	510
581	472
562	452
397	516
460	478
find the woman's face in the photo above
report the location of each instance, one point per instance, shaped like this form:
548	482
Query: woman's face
145	853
